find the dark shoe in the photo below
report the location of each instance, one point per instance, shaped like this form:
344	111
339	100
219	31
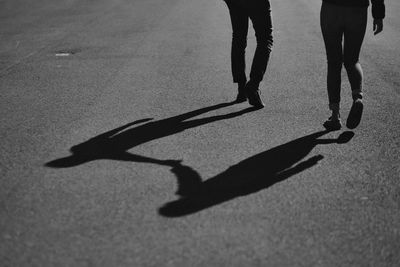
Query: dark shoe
253	95
333	124
354	118
241	97
255	99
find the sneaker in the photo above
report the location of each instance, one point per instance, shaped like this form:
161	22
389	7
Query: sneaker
354	118
333	124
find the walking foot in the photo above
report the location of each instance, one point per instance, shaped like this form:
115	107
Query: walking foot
333	124
354	118
241	97
255	99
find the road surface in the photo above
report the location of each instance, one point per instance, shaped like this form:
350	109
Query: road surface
120	145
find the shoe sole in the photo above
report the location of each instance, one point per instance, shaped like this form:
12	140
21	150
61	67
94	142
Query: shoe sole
257	105
354	118
330	128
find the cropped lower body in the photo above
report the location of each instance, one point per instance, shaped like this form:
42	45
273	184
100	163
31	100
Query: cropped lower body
343	29
259	12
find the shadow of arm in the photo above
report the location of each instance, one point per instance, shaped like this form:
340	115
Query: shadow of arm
117	130
298	168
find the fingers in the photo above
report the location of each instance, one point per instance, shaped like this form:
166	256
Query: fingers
378	30
377	26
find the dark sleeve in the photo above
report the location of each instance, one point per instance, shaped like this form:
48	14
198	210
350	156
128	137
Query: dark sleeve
378	9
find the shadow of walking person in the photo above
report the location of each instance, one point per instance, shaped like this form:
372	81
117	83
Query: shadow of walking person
115	144
248	176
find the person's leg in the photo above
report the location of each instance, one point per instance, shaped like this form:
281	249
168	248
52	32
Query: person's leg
332	32
240	24
260	15
356	24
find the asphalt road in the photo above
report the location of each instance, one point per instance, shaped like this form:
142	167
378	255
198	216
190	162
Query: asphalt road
120	145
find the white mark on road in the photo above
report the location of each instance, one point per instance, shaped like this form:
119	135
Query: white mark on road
63	54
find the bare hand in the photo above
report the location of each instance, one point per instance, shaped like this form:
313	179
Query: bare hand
377	26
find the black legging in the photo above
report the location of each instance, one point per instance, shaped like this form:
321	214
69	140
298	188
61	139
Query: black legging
259	11
338	23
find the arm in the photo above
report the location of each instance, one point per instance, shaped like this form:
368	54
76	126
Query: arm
378	13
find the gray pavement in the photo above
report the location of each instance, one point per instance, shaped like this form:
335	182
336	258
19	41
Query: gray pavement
126	151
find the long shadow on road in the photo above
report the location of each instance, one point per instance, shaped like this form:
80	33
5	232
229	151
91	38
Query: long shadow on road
248	176
115	144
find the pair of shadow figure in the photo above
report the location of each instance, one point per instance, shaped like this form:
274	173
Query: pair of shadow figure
248	176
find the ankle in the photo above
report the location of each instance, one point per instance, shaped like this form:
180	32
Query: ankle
252	86
335	108
335	116
356	94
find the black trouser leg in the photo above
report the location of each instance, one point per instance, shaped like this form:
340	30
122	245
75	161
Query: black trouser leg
240	24
260	16
353	38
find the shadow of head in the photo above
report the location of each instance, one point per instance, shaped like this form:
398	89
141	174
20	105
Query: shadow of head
91	149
